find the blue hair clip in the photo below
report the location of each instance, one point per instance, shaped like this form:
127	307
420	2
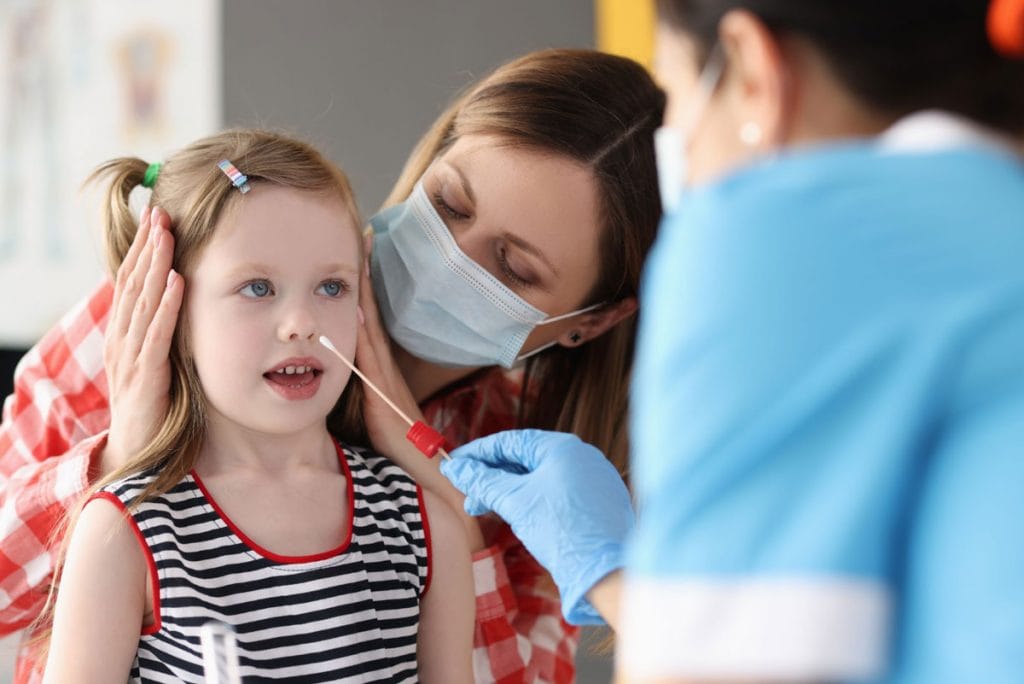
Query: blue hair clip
238	179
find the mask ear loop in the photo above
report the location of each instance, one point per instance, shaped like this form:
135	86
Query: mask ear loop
534	352
707	82
671	142
555	319
577	312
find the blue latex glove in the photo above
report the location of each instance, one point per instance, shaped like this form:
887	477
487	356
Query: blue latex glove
562	498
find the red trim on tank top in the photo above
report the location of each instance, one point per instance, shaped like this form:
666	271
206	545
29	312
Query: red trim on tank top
278	558
154	578
426	540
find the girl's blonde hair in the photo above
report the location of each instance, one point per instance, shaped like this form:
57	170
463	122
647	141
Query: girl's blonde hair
600	111
196	194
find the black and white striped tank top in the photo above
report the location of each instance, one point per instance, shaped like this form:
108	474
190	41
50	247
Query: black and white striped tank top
346	615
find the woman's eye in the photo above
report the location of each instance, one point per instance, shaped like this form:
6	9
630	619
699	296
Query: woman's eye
509	272
447	209
333	288
256	289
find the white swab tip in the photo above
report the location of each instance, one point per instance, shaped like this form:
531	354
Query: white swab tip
327	343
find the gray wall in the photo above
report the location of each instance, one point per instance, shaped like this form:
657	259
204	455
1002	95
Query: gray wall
363	79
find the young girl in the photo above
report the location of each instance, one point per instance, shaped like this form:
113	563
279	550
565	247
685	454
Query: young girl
328	562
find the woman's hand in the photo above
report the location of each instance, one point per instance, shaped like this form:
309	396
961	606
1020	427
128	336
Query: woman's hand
147	296
386	428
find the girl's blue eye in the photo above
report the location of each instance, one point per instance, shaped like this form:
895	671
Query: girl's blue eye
256	289
333	288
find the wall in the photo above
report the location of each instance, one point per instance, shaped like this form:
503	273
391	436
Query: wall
365	79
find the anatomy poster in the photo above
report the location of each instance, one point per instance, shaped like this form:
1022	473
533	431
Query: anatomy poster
83	81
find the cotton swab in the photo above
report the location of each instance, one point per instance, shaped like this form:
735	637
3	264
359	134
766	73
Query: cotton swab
423	437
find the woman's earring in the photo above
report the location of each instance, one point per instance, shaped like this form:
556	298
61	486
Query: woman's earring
575	337
751	134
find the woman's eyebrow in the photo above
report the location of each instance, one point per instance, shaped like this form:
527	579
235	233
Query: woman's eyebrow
464	182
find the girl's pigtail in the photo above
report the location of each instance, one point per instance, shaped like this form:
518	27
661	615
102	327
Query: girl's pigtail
120	224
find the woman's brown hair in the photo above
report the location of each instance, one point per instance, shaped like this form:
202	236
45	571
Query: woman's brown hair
599	111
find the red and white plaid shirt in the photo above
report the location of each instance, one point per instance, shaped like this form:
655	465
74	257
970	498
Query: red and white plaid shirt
54	426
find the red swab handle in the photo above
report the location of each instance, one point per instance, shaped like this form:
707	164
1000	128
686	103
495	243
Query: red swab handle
425	438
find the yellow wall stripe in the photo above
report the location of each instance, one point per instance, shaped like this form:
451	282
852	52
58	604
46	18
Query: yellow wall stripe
626	27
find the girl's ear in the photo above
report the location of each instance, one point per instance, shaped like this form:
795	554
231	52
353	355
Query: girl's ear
756	80
596	323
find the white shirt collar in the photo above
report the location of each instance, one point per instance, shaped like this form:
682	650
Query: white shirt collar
933	129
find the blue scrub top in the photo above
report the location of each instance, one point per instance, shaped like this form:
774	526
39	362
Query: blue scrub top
828	423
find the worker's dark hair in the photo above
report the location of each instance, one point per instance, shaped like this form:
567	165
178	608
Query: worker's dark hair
895	56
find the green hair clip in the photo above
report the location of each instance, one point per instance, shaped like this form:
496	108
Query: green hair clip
152	171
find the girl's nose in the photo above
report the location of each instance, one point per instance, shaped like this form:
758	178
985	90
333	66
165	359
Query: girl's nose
298	323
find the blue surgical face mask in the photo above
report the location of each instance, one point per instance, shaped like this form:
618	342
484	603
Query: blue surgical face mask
439	304
671	143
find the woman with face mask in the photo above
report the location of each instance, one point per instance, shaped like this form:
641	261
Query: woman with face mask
829	394
506	266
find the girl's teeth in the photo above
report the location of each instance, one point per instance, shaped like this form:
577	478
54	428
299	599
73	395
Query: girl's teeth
292	370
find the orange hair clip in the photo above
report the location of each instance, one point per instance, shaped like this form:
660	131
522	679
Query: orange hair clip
1006	27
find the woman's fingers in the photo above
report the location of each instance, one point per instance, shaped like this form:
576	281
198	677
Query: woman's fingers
153	283
376	337
366	359
132	257
373	351
160	218
374	359
156	348
127	282
149	296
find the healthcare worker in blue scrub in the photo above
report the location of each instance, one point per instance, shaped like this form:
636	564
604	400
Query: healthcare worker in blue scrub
828	408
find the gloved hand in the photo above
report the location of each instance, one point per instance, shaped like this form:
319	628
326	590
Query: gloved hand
562	498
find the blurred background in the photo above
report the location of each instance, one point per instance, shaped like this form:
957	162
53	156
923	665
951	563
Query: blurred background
82	81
